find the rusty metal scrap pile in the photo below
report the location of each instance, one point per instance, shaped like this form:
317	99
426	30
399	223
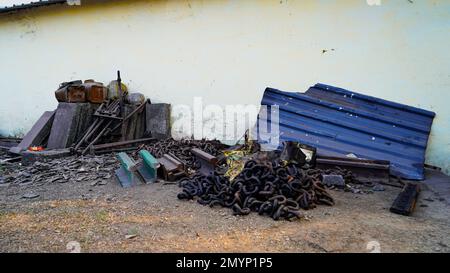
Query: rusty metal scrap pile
96	169
268	188
182	149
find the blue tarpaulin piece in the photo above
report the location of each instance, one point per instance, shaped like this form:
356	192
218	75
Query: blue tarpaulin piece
340	122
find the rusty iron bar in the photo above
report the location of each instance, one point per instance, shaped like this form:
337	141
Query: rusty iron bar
106	116
100	118
89	133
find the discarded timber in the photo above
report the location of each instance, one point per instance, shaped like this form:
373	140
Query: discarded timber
207	162
405	202
171	168
365	171
38	133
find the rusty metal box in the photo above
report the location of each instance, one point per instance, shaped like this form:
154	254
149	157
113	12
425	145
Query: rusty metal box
71	93
95	92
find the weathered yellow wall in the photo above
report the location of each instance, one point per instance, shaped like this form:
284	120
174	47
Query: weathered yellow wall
229	51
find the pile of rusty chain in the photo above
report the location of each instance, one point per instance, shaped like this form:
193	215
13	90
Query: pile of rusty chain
182	149
266	188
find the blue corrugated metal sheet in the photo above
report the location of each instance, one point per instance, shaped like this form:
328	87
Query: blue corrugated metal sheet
339	122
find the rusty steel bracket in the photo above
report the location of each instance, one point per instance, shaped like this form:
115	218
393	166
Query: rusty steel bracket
171	168
207	162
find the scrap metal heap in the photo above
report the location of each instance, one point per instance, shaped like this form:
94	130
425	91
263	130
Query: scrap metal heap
268	189
95	119
95	169
108	118
182	150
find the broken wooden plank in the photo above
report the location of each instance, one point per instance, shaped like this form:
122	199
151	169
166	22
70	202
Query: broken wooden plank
38	133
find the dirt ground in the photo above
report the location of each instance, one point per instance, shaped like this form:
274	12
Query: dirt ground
150	218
